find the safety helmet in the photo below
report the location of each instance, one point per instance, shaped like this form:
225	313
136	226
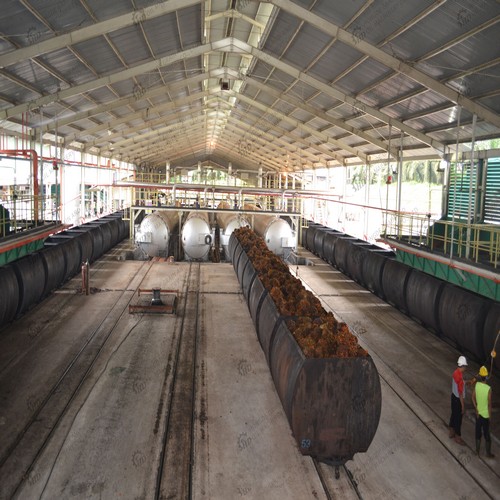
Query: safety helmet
462	361
483	371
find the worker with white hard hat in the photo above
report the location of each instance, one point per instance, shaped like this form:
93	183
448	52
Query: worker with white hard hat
481	398
457	401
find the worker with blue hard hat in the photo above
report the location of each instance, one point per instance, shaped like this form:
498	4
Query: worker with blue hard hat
457	401
481	398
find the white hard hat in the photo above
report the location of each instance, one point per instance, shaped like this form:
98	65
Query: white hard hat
462	361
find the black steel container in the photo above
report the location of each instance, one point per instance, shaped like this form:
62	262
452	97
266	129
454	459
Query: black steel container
9	294
240	266
394	278
54	263
30	273
97	239
318	237
310	235
86	242
343	246
106	235
373	268
423	293
72	250
462	316
329	242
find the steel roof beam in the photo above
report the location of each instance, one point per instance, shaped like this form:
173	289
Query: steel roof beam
388	60
117	103
320	114
347	99
298	124
94	30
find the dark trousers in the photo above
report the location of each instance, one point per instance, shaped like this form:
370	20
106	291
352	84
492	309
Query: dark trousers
456	415
483	424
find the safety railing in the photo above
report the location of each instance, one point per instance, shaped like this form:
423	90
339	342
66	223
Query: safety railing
479	243
17	213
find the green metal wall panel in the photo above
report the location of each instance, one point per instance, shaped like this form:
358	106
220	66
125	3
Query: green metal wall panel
492	192
22	251
477	284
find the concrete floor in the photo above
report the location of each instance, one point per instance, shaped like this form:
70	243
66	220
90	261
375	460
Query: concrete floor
114	422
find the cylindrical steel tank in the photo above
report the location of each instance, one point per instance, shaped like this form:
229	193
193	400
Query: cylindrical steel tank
31	278
155	232
9	294
462	316
276	232
228	223
491	334
196	236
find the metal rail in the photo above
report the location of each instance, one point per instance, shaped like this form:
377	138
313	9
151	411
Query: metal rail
175	467
91	342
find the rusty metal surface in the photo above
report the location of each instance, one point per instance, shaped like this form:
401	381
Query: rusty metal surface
144	301
248	276
285	359
491	329
267	319
333	405
255	296
240	266
336	407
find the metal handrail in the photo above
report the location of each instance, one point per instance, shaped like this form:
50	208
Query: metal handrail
451	240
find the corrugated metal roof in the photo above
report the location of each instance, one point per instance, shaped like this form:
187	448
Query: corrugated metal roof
318	79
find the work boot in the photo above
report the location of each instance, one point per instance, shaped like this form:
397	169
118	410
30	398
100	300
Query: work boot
452	432
478	446
488	450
